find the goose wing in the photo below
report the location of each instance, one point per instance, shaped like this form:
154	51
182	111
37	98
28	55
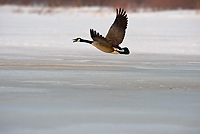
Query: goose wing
116	32
97	37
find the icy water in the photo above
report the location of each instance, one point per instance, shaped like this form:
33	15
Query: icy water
50	85
138	96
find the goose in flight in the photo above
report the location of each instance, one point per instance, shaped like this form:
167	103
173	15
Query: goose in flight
115	36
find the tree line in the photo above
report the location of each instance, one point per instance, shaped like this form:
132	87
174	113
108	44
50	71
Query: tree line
129	4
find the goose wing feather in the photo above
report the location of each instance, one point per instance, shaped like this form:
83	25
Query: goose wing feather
116	32
98	37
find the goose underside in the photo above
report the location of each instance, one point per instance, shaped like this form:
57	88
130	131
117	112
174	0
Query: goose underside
104	48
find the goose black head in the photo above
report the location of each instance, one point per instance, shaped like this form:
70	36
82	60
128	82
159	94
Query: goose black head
77	40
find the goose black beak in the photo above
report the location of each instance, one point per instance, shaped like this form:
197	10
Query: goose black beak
74	40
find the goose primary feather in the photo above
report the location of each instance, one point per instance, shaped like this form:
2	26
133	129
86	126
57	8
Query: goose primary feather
114	37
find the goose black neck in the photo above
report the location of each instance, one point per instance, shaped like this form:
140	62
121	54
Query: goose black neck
87	41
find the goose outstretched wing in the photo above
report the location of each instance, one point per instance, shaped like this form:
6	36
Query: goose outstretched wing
97	37
116	32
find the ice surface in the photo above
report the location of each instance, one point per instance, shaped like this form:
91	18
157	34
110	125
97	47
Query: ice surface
50	85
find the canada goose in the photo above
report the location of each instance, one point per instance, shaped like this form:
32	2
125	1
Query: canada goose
115	36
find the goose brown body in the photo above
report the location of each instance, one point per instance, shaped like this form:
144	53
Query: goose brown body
114	37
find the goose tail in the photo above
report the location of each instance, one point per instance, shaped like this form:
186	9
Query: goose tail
125	50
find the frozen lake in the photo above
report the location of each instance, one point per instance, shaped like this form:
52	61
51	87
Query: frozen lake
50	85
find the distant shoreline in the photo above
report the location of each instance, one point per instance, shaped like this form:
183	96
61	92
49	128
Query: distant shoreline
133	5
